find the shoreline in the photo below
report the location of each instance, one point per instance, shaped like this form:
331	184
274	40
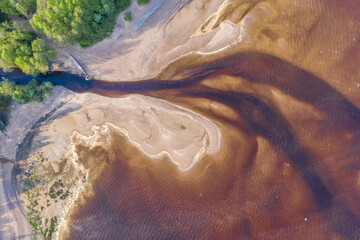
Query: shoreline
137	53
16	131
156	55
200	135
140	63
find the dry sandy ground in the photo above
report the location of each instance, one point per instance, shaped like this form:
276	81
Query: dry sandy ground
23	118
302	33
164	37
13	224
157	128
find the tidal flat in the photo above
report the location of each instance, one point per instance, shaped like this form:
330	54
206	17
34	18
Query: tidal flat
243	125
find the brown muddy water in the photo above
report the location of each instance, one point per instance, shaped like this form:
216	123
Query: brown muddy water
288	168
289	164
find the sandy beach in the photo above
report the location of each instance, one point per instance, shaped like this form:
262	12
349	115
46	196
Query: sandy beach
198	31
141	54
13	220
157	128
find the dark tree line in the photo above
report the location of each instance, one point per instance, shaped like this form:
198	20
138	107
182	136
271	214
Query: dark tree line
23	49
19	46
64	21
32	92
85	21
17	7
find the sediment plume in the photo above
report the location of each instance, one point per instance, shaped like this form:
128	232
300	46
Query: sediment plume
262	140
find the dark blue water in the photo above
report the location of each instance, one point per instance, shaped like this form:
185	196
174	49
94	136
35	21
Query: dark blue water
67	80
79	84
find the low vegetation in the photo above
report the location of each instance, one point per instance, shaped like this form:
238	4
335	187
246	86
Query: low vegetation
33	91
128	16
142	2
40	229
57	190
42	192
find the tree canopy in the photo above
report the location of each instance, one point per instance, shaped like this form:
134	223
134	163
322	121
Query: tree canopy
63	21
33	91
23	49
82	21
18	7
19	46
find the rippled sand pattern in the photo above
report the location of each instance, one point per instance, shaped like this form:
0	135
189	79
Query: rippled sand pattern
287	102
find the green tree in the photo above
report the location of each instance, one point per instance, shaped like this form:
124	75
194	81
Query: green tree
23	49
6	88
33	91
8	7
2	17
17	7
85	22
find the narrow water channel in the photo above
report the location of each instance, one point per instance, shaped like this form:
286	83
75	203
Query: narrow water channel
239	198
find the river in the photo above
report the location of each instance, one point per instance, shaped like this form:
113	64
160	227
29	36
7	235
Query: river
292	149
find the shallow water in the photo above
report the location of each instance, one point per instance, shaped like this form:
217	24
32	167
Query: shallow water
269	181
287	168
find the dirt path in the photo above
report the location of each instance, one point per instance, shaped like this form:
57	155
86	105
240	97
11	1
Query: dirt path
13	223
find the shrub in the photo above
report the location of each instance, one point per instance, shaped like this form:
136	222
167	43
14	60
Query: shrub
142	2
128	16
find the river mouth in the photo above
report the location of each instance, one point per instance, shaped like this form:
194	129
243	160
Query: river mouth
286	166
